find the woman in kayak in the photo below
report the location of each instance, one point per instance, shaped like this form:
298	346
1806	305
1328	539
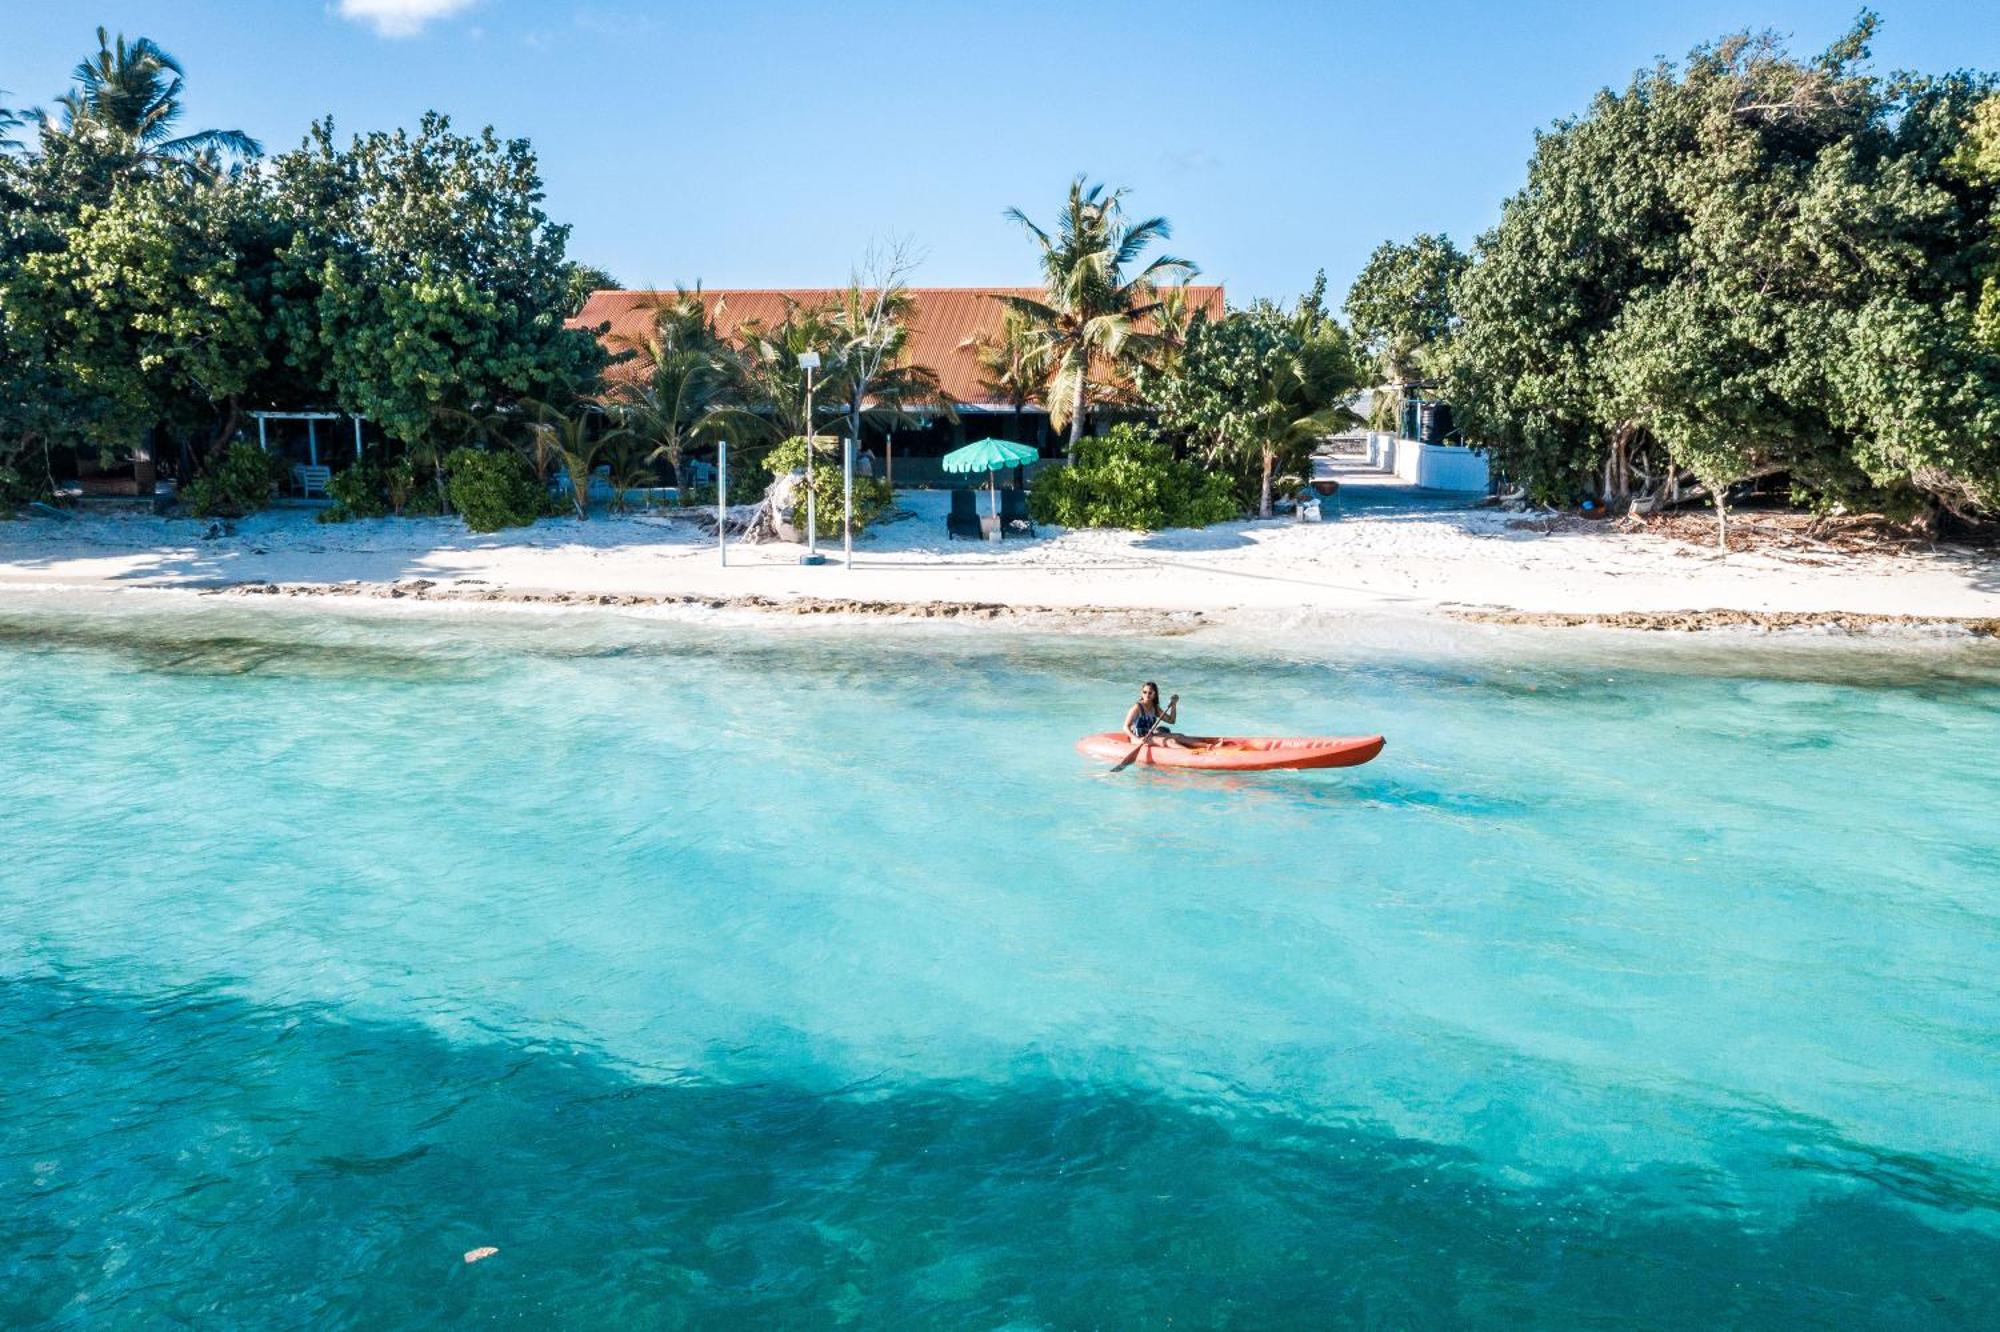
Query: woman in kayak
1147	720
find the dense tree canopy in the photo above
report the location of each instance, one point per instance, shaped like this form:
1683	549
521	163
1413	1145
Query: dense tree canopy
1752	264
1401	302
150	290
1258	389
441	283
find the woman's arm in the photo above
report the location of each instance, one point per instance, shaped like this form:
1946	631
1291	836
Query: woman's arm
1173	710
1131	715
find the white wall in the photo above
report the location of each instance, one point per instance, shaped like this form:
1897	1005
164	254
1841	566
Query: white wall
1439	466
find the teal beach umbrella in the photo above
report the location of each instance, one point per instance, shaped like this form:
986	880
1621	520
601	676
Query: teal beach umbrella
989	456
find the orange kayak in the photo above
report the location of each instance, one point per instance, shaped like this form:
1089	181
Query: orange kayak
1240	753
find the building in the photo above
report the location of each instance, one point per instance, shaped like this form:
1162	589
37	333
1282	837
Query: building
946	323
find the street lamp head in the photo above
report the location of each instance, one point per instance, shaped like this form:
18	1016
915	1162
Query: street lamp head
808	360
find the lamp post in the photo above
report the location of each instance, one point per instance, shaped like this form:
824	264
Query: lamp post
809	362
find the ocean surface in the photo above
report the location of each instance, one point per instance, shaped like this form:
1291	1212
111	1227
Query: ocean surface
726	974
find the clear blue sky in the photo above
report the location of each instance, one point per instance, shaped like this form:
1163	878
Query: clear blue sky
765	144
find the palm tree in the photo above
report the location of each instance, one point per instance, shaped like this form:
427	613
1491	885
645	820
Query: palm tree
10	120
693	389
1013	363
771	364
135	91
876	384
1093	318
574	439
1287	400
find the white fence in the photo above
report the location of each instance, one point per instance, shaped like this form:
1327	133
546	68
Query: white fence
1429	466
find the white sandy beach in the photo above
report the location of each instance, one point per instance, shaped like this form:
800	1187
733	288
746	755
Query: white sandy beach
1372	558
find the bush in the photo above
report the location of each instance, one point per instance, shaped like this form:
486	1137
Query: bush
412	490
359	492
872	496
493	490
238	482
1130	478
17	489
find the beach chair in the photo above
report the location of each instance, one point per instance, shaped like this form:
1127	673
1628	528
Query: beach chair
963	521
1014	519
311	480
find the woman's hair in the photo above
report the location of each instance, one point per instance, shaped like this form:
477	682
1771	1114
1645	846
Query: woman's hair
1149	685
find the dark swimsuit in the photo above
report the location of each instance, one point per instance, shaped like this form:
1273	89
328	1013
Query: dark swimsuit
1144	724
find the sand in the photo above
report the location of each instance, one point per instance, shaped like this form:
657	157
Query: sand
1389	550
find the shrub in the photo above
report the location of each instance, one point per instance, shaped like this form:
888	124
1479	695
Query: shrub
493	490
1130	478
412	490
361	491
872	496
17	489
239	482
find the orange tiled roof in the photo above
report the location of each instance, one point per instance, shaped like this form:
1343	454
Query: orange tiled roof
943	320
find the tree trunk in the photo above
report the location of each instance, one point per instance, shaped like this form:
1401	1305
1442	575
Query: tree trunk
1264	501
1618	467
229	423
1721	520
1075	423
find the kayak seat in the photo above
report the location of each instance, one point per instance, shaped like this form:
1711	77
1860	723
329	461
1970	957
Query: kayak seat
963	521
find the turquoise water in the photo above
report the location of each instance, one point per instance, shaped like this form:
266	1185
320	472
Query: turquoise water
780	975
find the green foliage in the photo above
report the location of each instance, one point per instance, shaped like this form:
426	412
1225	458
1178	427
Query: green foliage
240	481
1256	391
872	495
1978	164
18	487
492	489
1129	478
1095	315
140	307
429	277
359	491
1401	305
579	280
148	284
1751	264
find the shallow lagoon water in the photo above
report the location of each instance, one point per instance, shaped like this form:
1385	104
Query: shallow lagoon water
721	974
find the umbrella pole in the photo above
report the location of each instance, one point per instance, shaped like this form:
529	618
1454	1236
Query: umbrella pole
993	500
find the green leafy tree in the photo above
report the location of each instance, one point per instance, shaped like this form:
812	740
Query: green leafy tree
1745	266
1977	163
1400	308
1096	317
142	309
429	276
1257	390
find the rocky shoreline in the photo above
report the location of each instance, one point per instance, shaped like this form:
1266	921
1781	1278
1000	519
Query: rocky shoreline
469	592
1699	621
427	590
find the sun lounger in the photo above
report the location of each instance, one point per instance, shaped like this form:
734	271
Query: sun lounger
1014	520
963	521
